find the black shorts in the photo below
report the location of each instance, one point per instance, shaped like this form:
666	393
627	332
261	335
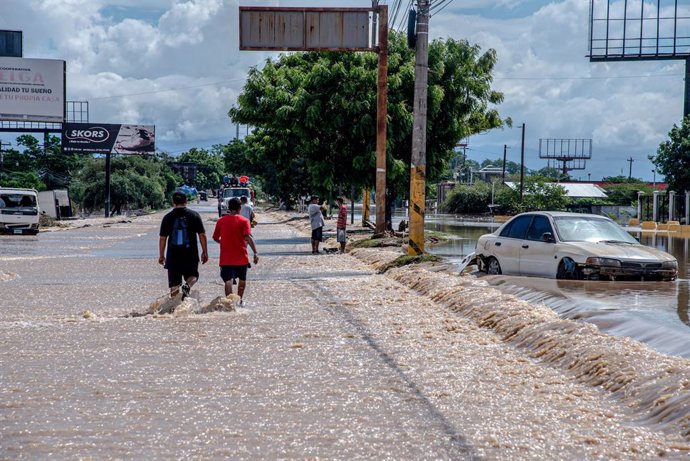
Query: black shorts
178	277
228	273
317	234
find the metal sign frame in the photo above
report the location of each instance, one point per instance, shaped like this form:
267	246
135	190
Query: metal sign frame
305	29
633	31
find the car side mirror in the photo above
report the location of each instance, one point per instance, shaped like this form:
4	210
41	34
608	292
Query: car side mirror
547	237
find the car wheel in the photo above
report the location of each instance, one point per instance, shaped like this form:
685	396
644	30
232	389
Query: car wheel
492	266
568	270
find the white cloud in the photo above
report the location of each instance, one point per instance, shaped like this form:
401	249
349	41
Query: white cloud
123	54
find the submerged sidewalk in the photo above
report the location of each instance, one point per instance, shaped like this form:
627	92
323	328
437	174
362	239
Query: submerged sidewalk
328	360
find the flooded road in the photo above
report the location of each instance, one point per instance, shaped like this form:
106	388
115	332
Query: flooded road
328	359
655	313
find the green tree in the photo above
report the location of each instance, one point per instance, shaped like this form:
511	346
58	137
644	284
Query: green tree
672	158
53	167
538	194
314	114
136	182
625	193
511	167
469	199
552	173
210	166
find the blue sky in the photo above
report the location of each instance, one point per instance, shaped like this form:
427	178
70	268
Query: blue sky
176	64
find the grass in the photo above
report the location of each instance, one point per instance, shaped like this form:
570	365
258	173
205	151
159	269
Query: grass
407	260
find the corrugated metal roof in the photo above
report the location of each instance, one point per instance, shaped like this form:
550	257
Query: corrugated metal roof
576	189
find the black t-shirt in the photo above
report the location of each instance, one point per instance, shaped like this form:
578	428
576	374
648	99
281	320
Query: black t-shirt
179	257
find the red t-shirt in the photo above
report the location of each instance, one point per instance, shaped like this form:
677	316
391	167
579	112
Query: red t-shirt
342	217
231	231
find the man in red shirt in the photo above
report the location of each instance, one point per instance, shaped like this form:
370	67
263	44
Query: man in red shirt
340	231
233	232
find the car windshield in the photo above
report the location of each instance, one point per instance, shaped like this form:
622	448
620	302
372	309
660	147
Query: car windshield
17	201
229	193
590	229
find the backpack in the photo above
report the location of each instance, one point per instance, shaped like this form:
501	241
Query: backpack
179	237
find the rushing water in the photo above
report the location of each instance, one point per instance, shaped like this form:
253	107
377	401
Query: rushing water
652	312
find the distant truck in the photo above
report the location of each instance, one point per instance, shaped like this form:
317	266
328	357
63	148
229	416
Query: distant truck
18	211
233	192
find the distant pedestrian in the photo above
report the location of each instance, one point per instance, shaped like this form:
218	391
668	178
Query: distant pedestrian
179	230
247	211
340	228
233	232
317	223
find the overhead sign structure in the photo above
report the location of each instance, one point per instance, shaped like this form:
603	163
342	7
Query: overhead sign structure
32	90
89	138
305	29
633	30
329	29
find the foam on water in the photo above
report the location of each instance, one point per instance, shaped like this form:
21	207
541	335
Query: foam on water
653	385
6	276
178	308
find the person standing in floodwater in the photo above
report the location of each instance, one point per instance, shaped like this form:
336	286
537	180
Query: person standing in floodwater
317	223
340	228
179	231
233	232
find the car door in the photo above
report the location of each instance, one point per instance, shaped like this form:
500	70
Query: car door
506	247
536	253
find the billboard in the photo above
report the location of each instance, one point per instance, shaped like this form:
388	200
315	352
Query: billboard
90	138
631	30
305	29
32	90
11	43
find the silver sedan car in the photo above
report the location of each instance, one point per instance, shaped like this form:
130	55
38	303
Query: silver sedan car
570	246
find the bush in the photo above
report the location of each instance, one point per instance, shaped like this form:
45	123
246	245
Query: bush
473	199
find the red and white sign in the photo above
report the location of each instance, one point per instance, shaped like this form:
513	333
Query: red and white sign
32	90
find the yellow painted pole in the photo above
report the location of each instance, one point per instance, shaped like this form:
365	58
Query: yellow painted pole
418	163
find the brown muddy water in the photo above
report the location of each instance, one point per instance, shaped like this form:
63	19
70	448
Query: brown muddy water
655	313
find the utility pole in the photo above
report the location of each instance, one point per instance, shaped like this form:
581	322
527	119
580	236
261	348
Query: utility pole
418	163
505	153
522	165
630	161
381	122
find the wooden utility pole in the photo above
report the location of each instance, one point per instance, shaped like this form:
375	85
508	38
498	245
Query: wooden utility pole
630	160
418	164
505	154
381	124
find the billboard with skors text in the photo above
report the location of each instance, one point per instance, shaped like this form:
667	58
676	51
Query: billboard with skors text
91	138
32	90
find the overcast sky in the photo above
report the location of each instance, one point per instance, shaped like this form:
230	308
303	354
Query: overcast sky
176	64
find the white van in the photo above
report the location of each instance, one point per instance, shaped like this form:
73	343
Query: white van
18	211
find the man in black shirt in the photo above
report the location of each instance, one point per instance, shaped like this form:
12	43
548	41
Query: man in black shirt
179	230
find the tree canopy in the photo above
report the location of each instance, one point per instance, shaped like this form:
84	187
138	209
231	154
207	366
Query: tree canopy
315	114
672	158
136	182
210	166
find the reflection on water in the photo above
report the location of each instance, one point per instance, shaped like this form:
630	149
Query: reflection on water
652	312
